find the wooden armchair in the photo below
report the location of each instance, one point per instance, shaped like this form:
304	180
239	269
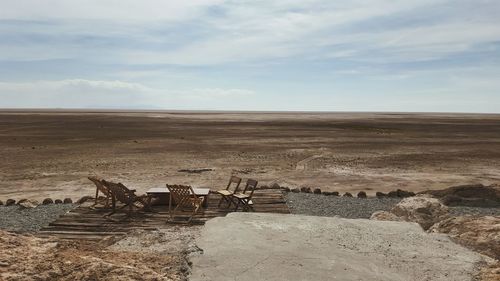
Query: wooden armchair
245	198
103	189
226	194
183	197
126	196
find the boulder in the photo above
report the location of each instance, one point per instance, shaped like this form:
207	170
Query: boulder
295	190
303	189
472	195
67	201
385	216
1	202
335	193
347	194
392	194
326	193
47	201
422	210
84	199
58	201
403	193
308	190
482	234
362	194
380	194
28	204
317	191
10	202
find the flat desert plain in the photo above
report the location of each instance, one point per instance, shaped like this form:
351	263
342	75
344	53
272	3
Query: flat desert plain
51	153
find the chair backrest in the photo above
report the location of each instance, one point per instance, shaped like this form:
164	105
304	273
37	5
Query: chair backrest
250	186
98	183
236	181
119	191
181	193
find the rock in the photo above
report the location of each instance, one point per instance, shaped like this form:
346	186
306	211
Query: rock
385	216
380	194
347	194
392	194
317	191
1	202
482	234
327	193
422	210
28	204
84	199
295	190
303	189
22	200
286	189
67	201
335	193
472	195
308	190
47	201
403	193
58	201
10	202
362	194
275	186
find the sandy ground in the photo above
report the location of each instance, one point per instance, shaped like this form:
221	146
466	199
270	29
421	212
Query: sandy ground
50	154
250	246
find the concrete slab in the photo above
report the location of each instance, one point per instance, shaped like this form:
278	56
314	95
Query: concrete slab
256	246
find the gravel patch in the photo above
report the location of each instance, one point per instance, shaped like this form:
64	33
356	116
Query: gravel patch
356	208
18	219
474	211
329	206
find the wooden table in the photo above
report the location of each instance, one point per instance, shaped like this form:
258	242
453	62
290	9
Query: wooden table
163	194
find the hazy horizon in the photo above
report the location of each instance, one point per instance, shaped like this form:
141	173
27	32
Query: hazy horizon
307	56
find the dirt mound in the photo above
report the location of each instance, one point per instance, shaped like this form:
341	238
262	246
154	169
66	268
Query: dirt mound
472	195
24	257
479	233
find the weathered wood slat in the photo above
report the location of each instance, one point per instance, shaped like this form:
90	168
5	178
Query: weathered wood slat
89	223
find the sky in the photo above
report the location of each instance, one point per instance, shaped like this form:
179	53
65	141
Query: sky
309	55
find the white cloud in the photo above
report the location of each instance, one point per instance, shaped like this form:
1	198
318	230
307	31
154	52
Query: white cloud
81	93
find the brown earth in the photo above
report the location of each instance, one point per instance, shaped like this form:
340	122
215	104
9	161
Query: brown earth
24	257
50	154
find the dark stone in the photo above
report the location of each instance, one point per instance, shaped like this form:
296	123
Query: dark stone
347	194
362	194
58	201
1	202
327	193
308	190
380	194
317	191
84	199
10	202
402	193
335	193
295	190
67	201
303	189
287	189
392	194
22	201
47	201
275	186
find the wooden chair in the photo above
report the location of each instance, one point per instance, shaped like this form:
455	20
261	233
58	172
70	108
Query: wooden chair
103	189
183	196
226	194
245	198
127	196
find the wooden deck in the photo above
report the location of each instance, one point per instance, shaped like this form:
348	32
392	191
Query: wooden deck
87	223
